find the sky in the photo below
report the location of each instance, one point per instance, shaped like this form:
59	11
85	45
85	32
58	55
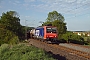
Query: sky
31	12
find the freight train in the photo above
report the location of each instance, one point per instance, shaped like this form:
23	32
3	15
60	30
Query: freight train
45	33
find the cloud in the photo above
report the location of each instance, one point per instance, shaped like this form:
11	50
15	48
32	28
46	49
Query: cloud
70	1
27	16
59	4
28	1
63	6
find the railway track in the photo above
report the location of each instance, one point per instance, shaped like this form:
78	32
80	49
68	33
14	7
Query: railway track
62	50
80	45
77	47
73	51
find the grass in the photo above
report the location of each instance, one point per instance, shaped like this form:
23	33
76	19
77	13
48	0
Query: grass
23	52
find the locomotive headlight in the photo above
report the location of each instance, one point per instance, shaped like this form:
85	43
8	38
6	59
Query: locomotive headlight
55	36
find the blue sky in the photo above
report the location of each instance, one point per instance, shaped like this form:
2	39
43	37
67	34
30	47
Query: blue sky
75	12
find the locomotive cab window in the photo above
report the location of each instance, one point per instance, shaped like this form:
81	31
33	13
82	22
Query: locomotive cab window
51	30
54	30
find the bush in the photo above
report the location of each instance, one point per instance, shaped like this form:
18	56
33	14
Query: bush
14	40
4	48
72	38
87	40
7	36
23	52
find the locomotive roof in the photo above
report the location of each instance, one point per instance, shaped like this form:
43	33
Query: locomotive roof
45	26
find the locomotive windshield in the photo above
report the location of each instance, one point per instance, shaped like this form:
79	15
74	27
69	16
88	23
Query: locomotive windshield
51	30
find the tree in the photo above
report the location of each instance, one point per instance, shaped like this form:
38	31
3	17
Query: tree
11	22
52	16
61	26
56	19
46	23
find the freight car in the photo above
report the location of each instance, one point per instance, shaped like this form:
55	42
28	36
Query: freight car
45	33
32	33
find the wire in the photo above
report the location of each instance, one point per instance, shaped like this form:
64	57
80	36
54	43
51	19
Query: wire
77	15
76	8
80	11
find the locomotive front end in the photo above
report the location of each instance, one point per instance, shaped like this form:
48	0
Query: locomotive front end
51	33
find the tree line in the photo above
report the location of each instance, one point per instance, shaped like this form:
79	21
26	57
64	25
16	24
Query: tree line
11	31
